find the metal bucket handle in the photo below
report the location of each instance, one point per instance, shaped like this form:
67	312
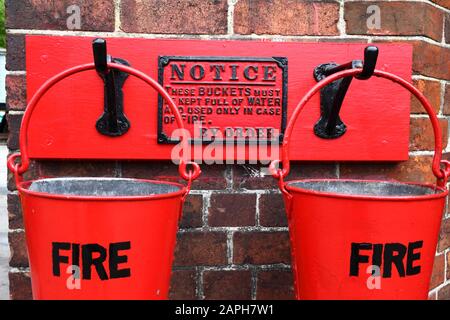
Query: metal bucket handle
21	167
441	174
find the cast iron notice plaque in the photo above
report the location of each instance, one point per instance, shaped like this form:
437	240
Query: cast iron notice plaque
238	99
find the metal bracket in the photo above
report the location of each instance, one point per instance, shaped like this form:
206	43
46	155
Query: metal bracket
113	121
327	96
330	125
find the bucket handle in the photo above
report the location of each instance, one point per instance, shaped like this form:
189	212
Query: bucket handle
19	168
281	173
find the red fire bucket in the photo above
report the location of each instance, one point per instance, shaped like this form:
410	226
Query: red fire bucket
353	239
100	238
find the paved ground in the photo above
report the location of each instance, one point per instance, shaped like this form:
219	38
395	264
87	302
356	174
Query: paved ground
4	247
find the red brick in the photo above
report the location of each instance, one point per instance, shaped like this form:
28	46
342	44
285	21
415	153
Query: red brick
18	249
201	248
232	209
16	98
444	236
227	285
192	211
421	134
416	169
286	17
443	3
261	248
448	265
77	168
250	176
432	296
428	59
14	121
431	60
447	100
275	285
95	15
438	275
175	16
182	285
447	28
444	293
431	90
271	210
397	18
212	177
15	52
14	212
20	286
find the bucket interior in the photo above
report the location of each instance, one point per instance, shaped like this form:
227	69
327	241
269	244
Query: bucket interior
101	187
365	188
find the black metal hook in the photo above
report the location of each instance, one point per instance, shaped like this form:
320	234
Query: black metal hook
330	125
370	61
113	122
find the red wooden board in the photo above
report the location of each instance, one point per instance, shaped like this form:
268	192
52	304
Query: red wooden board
376	111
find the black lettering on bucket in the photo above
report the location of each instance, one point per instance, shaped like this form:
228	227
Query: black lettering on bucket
386	256
93	257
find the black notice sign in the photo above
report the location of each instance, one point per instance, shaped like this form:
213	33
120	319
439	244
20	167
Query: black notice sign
241	99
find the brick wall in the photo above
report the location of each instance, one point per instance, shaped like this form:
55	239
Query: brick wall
233	241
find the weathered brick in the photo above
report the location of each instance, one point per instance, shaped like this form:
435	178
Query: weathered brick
175	16
232	210
16	98
428	59
448	265
77	168
444	236
286	17
14	121
18	249
95	15
447	28
444	293
421	134
15	52
275	285
212	177
226	285
432	296
14	212
192	211
182	285
397	18
438	275
416	169
431	60
20	286
431	90
443	3
261	248
447	100
257	177
272	211
201	248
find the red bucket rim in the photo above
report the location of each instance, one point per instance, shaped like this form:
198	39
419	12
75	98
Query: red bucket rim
443	191
23	188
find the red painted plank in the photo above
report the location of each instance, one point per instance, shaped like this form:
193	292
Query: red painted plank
376	112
